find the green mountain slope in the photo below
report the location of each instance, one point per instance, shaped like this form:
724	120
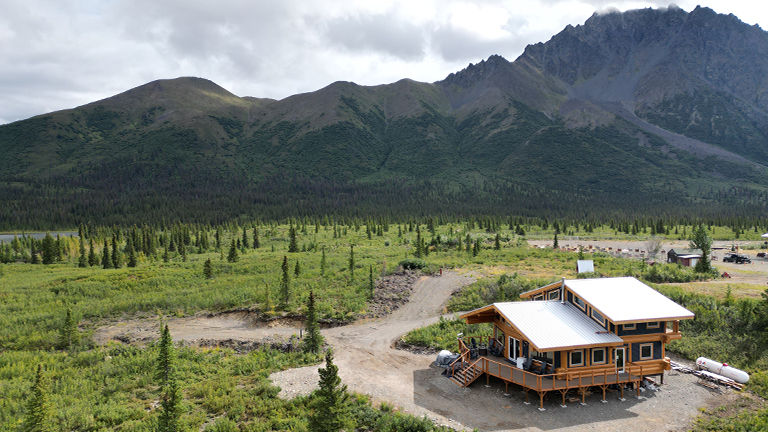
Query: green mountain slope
569	129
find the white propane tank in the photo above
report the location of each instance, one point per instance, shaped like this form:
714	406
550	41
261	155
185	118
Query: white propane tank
722	369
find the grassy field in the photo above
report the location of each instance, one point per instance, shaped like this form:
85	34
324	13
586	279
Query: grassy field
111	387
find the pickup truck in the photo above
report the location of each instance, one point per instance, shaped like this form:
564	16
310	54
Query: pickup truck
736	258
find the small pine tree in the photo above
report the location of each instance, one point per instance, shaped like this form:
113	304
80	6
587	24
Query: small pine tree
208	269
232	257
49	249
117	257
352	262
245	239
476	248
92	258
256	243
313	340
330	404
371	285
554	243
292	246
285	284
39	417
164	366
166	255
497	242
297	269
131	255
68	333
322	263
106	260
82	260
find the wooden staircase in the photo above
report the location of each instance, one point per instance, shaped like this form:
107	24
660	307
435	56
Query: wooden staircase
464	376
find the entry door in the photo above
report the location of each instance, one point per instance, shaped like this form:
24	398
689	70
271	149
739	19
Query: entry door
513	344
619	356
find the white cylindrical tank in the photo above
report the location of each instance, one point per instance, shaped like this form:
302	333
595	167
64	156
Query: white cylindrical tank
722	369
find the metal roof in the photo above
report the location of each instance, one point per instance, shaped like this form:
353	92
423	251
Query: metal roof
552	325
626	299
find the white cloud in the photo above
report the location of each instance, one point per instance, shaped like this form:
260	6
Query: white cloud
59	54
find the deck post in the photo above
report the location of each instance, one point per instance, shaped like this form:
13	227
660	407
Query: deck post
637	389
487	378
527	402
621	389
583	395
541	400
603	387
506	386
662	377
563	392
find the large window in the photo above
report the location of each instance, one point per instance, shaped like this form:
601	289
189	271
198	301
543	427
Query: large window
577	358
598	355
579	302
646	351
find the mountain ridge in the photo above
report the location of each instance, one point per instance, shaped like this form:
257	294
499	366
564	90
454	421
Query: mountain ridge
590	116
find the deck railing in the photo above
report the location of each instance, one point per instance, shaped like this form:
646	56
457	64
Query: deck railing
546	382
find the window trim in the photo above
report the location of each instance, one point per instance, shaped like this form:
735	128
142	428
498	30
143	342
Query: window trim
640	351
538	297
556	295
576	300
592	314
605	355
570	358
653	325
627	326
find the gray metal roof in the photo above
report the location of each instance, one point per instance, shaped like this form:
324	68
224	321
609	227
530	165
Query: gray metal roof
553	325
626	299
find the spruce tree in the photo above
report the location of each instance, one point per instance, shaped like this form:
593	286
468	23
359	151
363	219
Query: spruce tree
371	285
554	243
497	242
208	269
131	254
245	239
68	333
330	401
92	258
285	284
322	263
82	260
39	416
232	257
117	257
292	246
49	249
164	366
351	262
166	255
313	340
297	269
106	260
256	243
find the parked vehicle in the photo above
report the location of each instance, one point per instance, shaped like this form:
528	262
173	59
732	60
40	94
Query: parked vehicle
736	258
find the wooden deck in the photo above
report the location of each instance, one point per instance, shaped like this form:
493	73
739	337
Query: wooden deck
464	371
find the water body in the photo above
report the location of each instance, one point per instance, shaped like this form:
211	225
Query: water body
7	238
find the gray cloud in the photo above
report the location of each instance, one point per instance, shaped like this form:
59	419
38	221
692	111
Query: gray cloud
59	54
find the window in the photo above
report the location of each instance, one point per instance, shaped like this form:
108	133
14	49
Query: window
629	326
577	358
580	303
652	325
599	318
646	351
553	295
539	297
549	356
598	355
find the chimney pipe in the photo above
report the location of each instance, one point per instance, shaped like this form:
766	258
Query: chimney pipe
562	291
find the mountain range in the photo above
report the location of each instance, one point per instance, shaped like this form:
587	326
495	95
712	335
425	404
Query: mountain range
652	113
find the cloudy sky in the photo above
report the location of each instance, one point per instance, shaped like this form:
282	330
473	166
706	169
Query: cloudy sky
57	54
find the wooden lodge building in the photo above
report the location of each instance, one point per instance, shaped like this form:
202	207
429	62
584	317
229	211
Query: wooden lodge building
573	335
